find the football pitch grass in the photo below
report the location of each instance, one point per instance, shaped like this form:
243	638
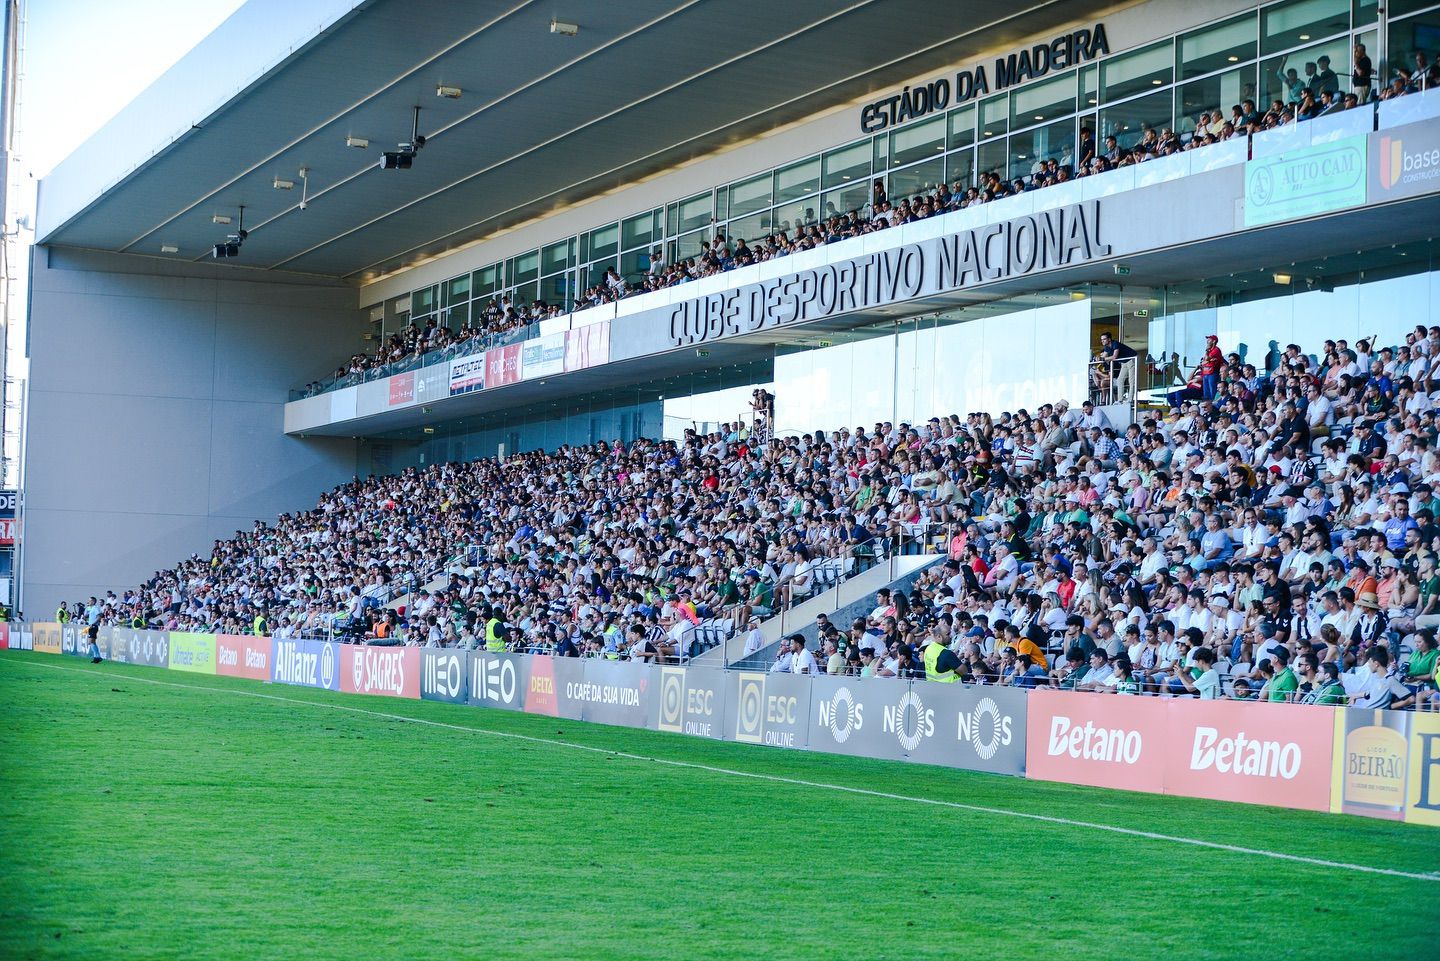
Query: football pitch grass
151	814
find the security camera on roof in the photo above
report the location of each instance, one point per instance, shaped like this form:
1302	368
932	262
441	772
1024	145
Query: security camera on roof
403	158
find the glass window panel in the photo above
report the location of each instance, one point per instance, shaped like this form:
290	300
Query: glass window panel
845	199
1287	25
992	157
605	242
1043	101
1285	77
456	291
722	204
917	141
1128	121
880	152
634	265
1217	47
1054	141
422	301
1221	91
486	280
847	164
672	220
556	290
1365	11
750	228
688	245
994	116
797	180
921	178
635	231
696	212
798	213
962	127
1408	37
1090	85
555	257
527	293
749	195
960	166
1137	72
456	317
527	267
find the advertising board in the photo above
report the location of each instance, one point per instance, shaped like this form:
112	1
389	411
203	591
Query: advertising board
1096	739
1422	799
614	692
380	670
1307	181
502	366
243	655
976	728
307	663
1259	753
502	680
1370	753
402	388
688	700
587	346
543	356
467	374
72	639
192	652
46	636
771	709
444	674
1405	162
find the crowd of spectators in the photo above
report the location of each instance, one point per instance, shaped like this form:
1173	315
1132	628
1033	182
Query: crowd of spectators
1316	93
1269	535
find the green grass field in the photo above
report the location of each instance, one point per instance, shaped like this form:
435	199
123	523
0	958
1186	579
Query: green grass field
150	814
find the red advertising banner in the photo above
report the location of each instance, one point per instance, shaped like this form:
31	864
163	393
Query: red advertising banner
402	388
540	693
1098	739
502	366
380	670
1259	753
243	656
4	636
9	526
587	346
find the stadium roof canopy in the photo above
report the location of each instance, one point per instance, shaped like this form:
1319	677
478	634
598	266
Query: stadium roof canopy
545	119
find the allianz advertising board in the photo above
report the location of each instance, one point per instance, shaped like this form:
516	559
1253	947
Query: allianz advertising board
1302	183
307	663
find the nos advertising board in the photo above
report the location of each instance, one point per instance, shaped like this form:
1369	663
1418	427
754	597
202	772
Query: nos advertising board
1304	182
150	648
243	655
307	663
380	670
192	652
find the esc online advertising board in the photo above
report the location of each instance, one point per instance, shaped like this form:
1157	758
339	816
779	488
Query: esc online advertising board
1382	764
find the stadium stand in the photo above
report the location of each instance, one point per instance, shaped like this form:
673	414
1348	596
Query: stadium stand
1268	536
504	321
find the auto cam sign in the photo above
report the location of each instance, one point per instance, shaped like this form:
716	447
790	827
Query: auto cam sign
1305	182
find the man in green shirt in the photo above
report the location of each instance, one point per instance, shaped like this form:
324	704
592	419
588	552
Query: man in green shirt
1284	683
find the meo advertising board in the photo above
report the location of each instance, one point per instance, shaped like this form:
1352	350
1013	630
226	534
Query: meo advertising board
192	652
307	663
1304	182
380	670
500	680
443	674
242	655
467	374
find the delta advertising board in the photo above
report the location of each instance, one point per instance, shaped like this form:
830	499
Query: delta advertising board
243	655
380	670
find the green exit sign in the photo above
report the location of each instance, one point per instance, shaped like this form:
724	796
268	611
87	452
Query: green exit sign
1122	270
1142	312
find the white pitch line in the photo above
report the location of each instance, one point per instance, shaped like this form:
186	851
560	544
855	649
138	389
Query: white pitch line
799	782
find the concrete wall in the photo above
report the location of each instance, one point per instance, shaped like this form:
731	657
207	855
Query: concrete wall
156	406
